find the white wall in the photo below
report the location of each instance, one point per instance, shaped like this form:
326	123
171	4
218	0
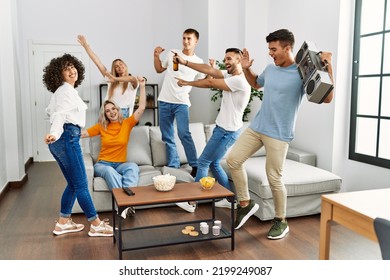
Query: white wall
11	135
131	29
221	34
317	22
314	129
3	28
255	30
201	110
118	29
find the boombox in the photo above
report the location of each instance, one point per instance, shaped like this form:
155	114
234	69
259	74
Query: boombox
314	74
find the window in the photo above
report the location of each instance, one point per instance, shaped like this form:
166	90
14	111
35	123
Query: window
370	107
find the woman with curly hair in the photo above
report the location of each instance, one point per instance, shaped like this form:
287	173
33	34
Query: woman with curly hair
123	91
67	116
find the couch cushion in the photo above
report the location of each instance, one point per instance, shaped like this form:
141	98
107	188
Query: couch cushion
94	147
146	175
138	149
296	206
100	185
158	146
182	175
208	129
299	178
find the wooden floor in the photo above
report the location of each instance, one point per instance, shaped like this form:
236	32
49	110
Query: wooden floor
28	215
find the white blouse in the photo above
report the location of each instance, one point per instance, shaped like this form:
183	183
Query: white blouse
66	106
124	99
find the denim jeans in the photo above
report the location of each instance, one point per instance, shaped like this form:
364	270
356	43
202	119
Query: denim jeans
117	174
167	114
67	152
125	112
211	157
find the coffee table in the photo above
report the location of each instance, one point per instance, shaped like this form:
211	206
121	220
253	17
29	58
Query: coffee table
354	210
164	234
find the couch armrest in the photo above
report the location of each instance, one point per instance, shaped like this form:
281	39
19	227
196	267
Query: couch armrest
301	156
88	162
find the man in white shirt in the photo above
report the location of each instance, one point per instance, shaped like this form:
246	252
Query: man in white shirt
174	101
235	97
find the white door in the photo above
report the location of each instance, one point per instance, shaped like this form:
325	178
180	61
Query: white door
40	56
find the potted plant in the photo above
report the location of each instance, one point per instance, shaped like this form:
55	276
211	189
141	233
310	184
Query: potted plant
254	93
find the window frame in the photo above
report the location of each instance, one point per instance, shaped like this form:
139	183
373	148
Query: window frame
353	155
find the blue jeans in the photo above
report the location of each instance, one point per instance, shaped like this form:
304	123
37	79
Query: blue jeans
67	152
117	174
211	157
167	114
125	112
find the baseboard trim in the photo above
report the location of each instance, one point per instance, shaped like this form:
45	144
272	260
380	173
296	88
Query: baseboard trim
3	192
28	163
17	184
13	185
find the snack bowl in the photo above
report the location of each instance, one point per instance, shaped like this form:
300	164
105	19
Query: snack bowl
207	182
164	183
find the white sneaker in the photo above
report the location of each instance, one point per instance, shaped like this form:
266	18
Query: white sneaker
101	230
187	206
129	211
224	203
69	227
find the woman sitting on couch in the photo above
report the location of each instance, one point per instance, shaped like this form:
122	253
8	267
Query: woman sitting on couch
115	134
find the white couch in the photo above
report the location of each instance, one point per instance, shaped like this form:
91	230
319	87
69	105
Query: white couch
305	183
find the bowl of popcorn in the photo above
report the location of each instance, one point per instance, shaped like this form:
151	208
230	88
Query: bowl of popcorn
164	183
207	182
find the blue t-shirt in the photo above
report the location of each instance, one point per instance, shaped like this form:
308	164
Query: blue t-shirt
283	91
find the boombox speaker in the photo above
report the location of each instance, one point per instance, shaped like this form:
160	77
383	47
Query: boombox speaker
316	81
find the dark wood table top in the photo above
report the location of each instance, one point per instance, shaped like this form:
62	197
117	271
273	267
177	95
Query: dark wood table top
148	195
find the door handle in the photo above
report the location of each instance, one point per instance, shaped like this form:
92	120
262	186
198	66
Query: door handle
86	101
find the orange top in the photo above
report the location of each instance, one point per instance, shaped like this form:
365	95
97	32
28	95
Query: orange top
114	139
